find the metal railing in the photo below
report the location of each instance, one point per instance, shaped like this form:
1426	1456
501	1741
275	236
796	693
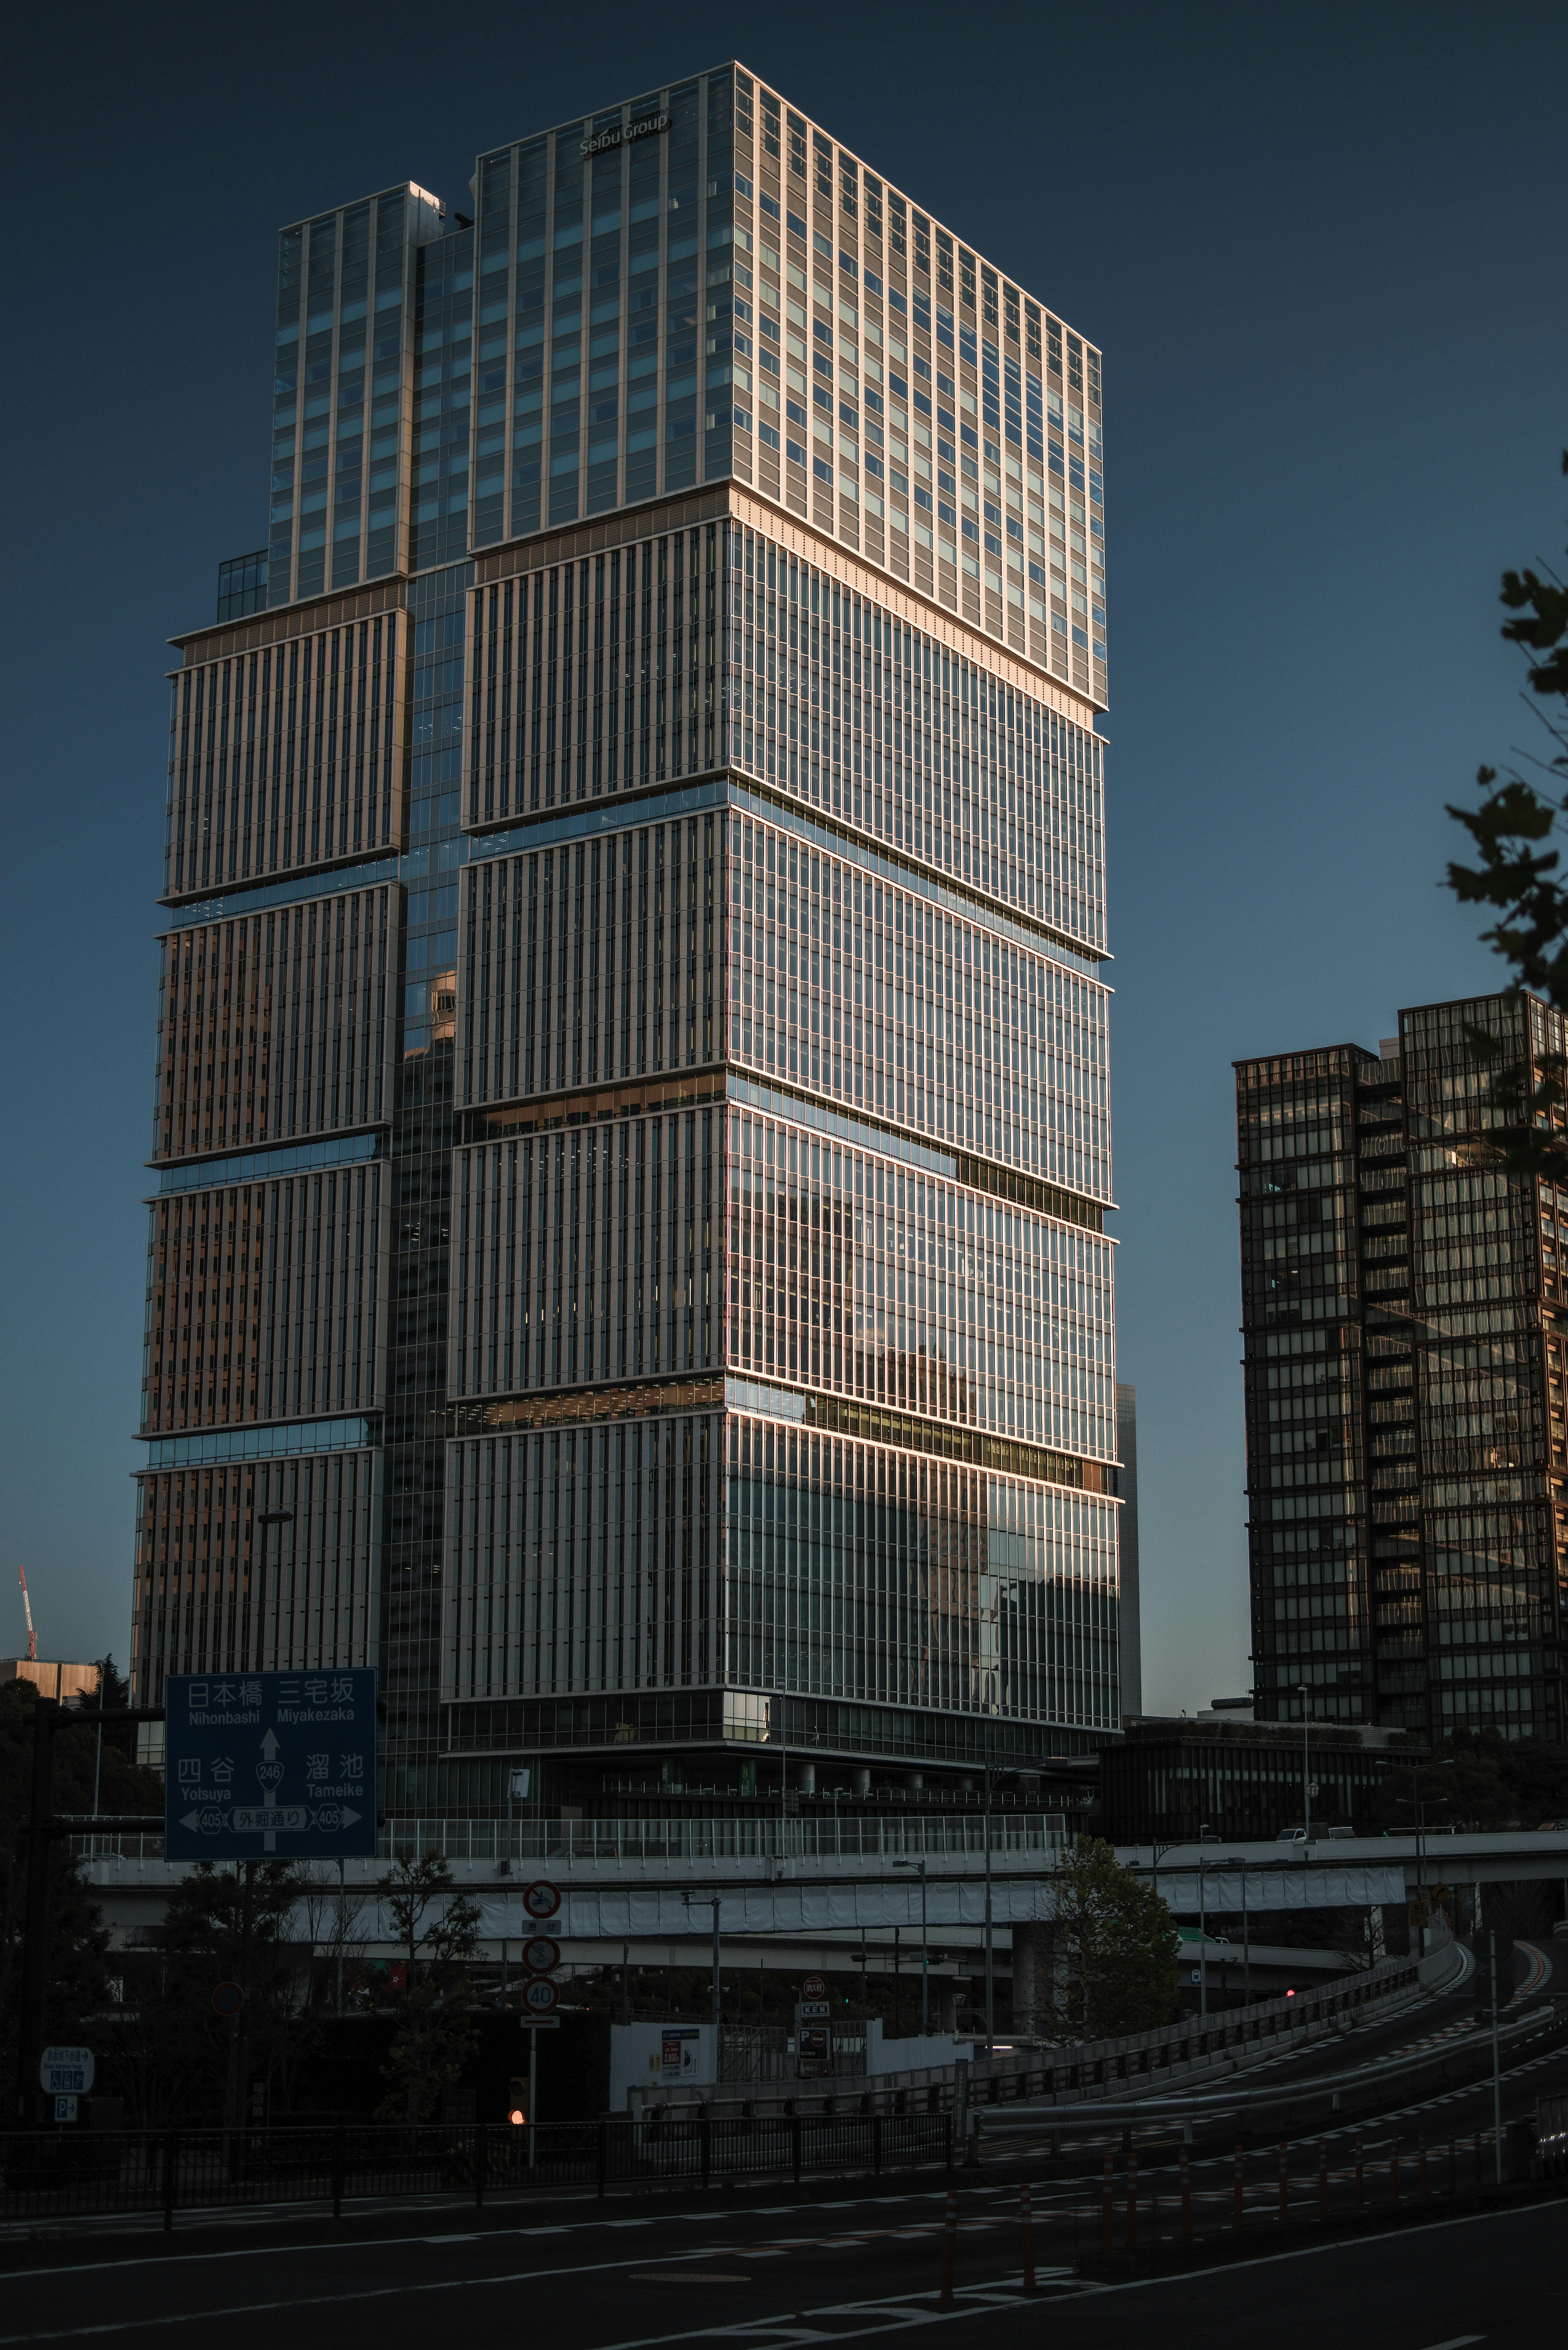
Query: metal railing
762	1839
1091	2070
65	2174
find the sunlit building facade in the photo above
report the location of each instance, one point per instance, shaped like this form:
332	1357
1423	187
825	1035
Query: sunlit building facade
633	1113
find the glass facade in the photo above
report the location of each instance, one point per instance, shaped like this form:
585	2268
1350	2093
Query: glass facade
700	284
633	1128
1405	1364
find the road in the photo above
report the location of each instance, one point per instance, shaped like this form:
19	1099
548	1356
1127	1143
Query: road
794	2273
777	2268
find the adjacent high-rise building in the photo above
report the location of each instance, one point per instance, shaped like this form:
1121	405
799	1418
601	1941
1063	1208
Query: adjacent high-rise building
632	1133
1405	1324
1130	1640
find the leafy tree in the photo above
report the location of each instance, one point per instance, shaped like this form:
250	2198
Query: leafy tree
435	2040
1114	1947
1478	1779
1518	876
437	2035
410	1890
77	1969
173	2051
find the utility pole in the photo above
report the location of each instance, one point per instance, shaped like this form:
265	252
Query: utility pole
1246	1943
925	1948
717	1994
35	1949
1203	1936
990	1937
1496	2062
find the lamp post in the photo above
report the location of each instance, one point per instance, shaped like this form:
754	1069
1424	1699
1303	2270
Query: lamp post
279	1518
517	1786
1306	1772
925	1948
783	1779
1202	1925
989	1934
1420	1806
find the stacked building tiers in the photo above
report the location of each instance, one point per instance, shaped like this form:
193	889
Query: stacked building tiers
633	1131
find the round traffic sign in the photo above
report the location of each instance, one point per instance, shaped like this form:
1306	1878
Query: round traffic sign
814	1987
540	1954
540	1995
228	1999
541	1900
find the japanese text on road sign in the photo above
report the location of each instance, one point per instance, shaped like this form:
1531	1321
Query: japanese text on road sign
270	1765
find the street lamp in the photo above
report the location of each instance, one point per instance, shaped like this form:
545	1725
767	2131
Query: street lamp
1302	1692
268	1518
1421	1806
925	1948
518	1783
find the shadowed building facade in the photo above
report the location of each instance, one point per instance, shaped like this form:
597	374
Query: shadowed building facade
627	1251
1404	1326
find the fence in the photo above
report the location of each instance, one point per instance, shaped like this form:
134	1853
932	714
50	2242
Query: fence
62	2174
762	1838
1064	2075
1155	2197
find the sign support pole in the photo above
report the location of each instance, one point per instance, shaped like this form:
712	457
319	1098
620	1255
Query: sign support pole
533	2093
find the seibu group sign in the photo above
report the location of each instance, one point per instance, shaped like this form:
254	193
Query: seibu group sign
622	134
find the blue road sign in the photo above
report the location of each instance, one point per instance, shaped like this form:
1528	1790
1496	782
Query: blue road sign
263	1766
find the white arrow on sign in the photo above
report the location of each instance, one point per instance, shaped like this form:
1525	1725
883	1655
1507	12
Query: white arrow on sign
268	1819
269	1746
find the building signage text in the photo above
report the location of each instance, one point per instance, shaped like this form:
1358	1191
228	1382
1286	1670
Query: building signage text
621	134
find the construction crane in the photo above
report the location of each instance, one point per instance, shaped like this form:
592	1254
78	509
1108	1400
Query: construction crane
32	1636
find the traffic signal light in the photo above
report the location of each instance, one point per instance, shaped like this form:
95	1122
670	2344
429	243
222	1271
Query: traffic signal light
517	2101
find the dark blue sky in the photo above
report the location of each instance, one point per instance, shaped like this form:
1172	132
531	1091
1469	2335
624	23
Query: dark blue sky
1321	251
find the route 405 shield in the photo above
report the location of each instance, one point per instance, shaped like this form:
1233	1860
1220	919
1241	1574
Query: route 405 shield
263	1766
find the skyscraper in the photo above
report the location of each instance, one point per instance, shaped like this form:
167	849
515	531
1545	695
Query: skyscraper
1404	1349
627	1255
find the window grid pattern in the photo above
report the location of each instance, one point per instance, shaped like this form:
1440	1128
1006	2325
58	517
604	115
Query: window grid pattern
339	456
854	1571
590	960
442	403
678	1552
586	1559
209	1600
960	453
589	1255
284	757
594	676
605	255
853	1275
275	1025
266	1302
870	997
821	383
833	698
